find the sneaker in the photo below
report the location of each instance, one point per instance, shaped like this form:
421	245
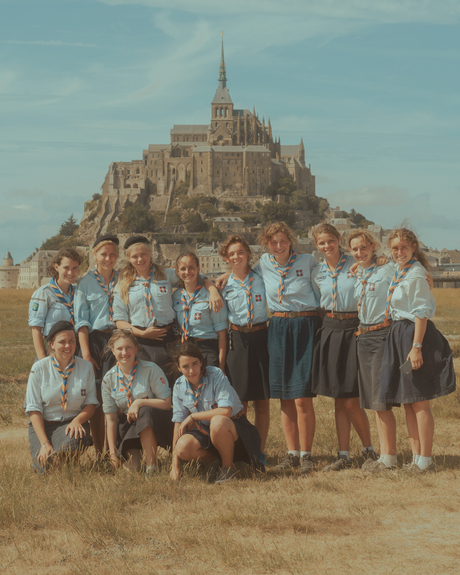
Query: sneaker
212	470
288	462
306	464
378	467
369	458
226	474
150	471
414	468
342	462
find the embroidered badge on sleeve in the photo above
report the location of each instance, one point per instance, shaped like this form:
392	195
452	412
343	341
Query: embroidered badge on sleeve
163	380
35	306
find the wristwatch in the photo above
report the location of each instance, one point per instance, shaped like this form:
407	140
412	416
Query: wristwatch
417	344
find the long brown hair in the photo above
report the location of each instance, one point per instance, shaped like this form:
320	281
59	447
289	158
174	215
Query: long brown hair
128	273
188	349
276	228
69	253
409	236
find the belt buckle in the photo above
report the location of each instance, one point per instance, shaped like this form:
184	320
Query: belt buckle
341	316
292	314
245	329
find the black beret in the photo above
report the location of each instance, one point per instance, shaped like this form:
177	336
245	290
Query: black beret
136	240
58	327
107	238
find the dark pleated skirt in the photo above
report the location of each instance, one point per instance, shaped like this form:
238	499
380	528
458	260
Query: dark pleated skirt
290	347
371	347
158	419
434	379
157	351
247	364
210	350
247	446
98	341
62	443
335	362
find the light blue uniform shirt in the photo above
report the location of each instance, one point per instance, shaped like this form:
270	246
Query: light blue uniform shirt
217	392
412	297
236	299
92	304
300	293
149	383
45	309
203	322
43	392
372	309
346	301
134	311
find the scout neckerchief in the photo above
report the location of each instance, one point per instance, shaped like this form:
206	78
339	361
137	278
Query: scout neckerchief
399	276
196	396
127	386
363	277
186	309
283	273
147	294
248	291
65	376
109	292
342	261
62	298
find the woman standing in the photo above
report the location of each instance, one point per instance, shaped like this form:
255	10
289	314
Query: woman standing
209	421
247	358
143	301
335	365
55	301
60	399
94	320
198	323
371	292
293	303
137	403
417	363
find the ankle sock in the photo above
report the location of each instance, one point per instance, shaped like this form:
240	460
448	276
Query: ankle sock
296	453
345	454
388	460
302	453
423	462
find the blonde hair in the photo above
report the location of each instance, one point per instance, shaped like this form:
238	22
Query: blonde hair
128	273
324	229
409	236
100	245
191	255
121	334
366	235
276	228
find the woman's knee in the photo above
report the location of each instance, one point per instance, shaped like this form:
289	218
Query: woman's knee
304	405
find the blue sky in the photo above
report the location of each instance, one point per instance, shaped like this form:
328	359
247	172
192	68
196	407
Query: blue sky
372	87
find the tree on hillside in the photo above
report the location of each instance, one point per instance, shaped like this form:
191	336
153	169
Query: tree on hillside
358	219
277	213
195	224
286	186
68	227
136	219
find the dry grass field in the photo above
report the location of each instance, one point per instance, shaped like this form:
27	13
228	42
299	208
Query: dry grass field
84	519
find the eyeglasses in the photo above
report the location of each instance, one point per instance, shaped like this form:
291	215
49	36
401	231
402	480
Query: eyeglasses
126	331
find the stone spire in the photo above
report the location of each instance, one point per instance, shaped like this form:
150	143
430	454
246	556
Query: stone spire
222	94
222	72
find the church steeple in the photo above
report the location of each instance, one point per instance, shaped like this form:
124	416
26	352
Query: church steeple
222	72
222	105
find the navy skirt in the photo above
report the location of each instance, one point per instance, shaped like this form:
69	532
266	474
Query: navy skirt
247	446
156	350
158	419
247	364
434	379
209	349
98	341
335	362
290	347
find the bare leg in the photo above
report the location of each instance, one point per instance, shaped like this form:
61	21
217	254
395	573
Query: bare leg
262	419
380	432
189	449
412	428
149	445
358	418
223	436
342	425
289	423
387	431
425	425
306	422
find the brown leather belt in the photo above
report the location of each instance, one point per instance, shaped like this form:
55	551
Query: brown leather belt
169	326
295	313
247	329
377	326
342	315
194	339
238	415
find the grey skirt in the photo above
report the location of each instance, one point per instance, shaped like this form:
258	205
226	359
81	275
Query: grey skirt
61	443
158	419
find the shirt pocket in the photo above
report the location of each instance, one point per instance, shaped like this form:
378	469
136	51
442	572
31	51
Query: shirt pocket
136	295
199	313
209	404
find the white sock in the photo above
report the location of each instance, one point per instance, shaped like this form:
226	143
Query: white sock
346	454
370	448
296	453
388	460
423	462
415	458
302	453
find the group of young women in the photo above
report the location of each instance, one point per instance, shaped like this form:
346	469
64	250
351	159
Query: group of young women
351	328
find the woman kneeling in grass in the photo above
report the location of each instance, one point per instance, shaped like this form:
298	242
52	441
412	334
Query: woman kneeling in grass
60	399
209	421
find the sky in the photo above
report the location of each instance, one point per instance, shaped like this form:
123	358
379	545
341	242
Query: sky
372	87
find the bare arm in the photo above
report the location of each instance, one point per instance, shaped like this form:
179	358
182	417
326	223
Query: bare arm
189	421
175	465
215	301
149	333
222	348
415	354
75	427
36	419
39	343
112	424
133	411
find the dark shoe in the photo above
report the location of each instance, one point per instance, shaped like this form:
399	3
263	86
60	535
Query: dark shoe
226	474
213	469
288	462
342	462
369	458
306	464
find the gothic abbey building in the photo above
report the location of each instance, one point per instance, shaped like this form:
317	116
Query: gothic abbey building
235	155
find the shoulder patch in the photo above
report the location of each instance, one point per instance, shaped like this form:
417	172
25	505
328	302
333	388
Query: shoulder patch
35	306
163	380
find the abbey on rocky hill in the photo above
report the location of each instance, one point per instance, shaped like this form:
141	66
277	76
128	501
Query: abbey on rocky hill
234	155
